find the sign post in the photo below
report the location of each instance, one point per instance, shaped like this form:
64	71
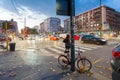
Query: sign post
72	13
66	7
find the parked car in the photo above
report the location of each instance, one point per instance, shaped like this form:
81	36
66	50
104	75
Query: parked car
76	37
31	37
20	37
92	39
3	39
62	36
115	63
54	37
81	35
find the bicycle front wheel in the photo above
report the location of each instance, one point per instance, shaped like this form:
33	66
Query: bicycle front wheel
84	65
63	60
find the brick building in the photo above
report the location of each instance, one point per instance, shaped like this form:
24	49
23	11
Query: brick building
104	18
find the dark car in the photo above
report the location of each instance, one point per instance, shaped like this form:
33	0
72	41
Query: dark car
92	39
115	63
115	60
3	38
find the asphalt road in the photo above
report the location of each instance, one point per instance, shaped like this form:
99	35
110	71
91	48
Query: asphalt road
37	60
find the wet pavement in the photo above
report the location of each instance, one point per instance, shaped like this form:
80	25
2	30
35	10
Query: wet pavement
33	65
30	63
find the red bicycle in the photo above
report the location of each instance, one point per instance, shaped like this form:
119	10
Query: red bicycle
81	62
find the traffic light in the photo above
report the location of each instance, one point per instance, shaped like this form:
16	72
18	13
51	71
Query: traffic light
10	24
4	25
7	24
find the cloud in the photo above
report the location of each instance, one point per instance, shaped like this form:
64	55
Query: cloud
32	17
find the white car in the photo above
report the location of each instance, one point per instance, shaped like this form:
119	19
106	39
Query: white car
31	37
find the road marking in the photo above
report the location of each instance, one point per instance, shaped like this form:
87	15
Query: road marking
44	51
86	48
98	60
76	50
90	46
60	47
55	50
100	77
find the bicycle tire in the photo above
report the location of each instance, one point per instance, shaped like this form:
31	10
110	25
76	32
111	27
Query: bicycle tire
81	63
76	60
63	60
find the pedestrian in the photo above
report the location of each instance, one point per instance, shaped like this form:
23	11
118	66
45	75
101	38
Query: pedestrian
67	43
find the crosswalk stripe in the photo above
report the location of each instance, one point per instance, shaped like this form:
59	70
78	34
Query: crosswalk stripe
76	47
55	50
60	49
81	48
76	50
44	51
84	48
90	47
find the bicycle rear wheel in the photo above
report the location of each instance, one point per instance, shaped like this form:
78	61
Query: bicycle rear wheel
84	65
63	60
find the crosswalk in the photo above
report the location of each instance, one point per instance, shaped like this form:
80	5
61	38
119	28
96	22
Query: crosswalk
60	49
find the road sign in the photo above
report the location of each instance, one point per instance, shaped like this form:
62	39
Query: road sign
63	7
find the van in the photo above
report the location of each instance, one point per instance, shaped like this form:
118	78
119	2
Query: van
62	36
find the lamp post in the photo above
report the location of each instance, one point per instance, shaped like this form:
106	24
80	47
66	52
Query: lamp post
72	13
100	28
66	7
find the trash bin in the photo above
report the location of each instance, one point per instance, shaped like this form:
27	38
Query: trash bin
12	46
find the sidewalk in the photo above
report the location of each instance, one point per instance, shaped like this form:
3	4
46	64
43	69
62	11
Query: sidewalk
114	38
34	65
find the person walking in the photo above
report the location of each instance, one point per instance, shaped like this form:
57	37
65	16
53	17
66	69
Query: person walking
67	43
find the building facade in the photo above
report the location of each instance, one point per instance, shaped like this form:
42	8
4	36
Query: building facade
42	30
37	28
101	18
50	25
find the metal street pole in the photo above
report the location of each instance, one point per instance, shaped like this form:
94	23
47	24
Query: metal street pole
100	19
72	14
25	21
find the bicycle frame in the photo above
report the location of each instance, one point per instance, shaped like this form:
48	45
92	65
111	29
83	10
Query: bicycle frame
79	54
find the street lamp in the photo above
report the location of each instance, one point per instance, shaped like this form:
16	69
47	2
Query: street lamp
72	13
100	27
67	8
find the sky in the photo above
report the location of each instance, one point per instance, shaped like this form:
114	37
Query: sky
36	11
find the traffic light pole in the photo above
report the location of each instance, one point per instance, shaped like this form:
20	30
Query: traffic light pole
72	13
6	26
